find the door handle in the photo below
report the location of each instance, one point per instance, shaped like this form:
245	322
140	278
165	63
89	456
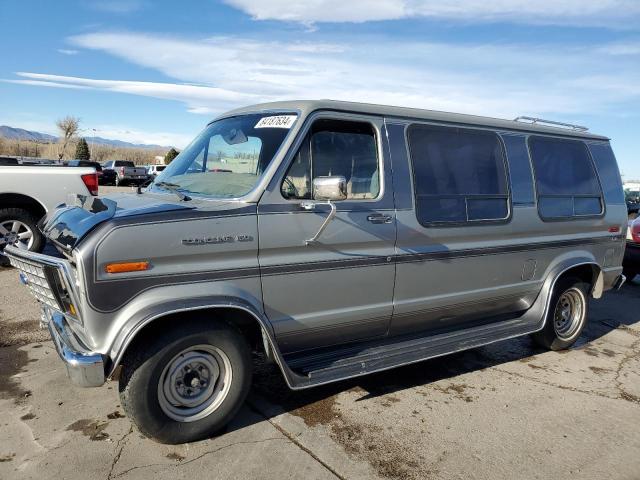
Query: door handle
379	218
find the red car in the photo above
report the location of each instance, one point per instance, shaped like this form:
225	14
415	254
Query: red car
631	262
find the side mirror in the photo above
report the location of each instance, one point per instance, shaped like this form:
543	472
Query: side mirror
330	188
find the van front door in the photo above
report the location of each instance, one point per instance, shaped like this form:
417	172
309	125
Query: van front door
338	289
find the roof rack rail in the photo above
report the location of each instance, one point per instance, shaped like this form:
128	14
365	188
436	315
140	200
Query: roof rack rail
578	128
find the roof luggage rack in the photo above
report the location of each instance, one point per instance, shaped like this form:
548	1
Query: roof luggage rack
533	120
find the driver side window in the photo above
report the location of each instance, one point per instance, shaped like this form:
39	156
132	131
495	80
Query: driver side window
335	148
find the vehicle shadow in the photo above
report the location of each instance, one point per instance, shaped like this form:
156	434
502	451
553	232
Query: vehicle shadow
615	310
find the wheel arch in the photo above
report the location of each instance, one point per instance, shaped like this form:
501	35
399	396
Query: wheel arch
25	202
585	267
251	324
590	273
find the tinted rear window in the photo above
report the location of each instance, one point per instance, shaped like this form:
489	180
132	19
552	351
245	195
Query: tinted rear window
566	181
122	163
459	174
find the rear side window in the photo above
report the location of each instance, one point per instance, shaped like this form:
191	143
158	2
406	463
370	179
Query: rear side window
123	163
459	175
566	181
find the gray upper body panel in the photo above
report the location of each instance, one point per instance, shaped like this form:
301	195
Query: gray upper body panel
306	107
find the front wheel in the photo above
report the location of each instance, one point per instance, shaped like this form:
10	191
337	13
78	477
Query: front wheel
567	314
187	383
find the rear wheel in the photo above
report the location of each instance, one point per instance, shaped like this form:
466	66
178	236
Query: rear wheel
18	227
188	383
567	315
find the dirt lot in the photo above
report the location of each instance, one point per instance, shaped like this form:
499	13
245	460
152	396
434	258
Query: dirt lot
499	412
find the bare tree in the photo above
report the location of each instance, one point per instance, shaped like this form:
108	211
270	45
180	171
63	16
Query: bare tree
68	127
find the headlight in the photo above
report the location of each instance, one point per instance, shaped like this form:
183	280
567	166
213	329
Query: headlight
62	292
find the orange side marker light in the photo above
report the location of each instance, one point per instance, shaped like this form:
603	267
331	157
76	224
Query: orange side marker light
125	267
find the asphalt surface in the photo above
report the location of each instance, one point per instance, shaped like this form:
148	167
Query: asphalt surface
509	410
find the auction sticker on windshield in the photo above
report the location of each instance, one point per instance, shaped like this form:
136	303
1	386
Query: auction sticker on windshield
278	121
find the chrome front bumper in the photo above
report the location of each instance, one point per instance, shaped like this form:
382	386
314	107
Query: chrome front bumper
50	280
84	367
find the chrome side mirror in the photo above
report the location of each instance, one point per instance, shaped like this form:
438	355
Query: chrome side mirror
330	188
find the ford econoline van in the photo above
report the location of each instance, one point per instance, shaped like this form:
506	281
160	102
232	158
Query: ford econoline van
337	238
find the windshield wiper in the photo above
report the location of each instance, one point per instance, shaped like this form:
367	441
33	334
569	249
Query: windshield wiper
174	188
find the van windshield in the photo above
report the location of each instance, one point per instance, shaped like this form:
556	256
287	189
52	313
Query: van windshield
229	157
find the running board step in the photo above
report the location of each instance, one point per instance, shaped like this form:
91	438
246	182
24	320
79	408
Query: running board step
351	362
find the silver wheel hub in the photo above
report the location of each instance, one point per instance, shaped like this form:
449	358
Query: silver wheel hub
17	233
194	383
569	313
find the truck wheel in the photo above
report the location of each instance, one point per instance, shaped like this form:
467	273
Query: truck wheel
187	383
567	315
18	227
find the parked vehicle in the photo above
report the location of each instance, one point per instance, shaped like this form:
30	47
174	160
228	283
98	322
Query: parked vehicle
27	193
631	262
154	170
126	172
105	177
8	161
633	203
337	238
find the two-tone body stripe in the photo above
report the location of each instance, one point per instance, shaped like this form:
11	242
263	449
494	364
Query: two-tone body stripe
496	250
135	286
372	261
428	256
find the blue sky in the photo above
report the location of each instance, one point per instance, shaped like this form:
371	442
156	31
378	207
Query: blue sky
156	72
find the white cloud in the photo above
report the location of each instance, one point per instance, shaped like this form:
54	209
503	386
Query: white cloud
611	13
196	97
323	10
67	51
216	74
483	79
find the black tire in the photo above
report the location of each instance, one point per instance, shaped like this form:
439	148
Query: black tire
144	368
28	219
553	336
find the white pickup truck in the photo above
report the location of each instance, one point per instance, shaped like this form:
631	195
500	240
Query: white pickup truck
28	193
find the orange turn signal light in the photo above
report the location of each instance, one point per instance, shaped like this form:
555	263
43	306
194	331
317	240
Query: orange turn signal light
127	267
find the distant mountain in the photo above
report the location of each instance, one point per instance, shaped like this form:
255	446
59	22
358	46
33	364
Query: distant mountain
22	134
119	143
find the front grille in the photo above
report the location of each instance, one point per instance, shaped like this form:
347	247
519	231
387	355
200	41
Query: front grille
35	276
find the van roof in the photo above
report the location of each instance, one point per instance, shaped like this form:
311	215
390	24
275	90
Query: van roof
308	106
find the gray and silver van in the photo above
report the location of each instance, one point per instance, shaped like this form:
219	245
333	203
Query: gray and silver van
336	238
